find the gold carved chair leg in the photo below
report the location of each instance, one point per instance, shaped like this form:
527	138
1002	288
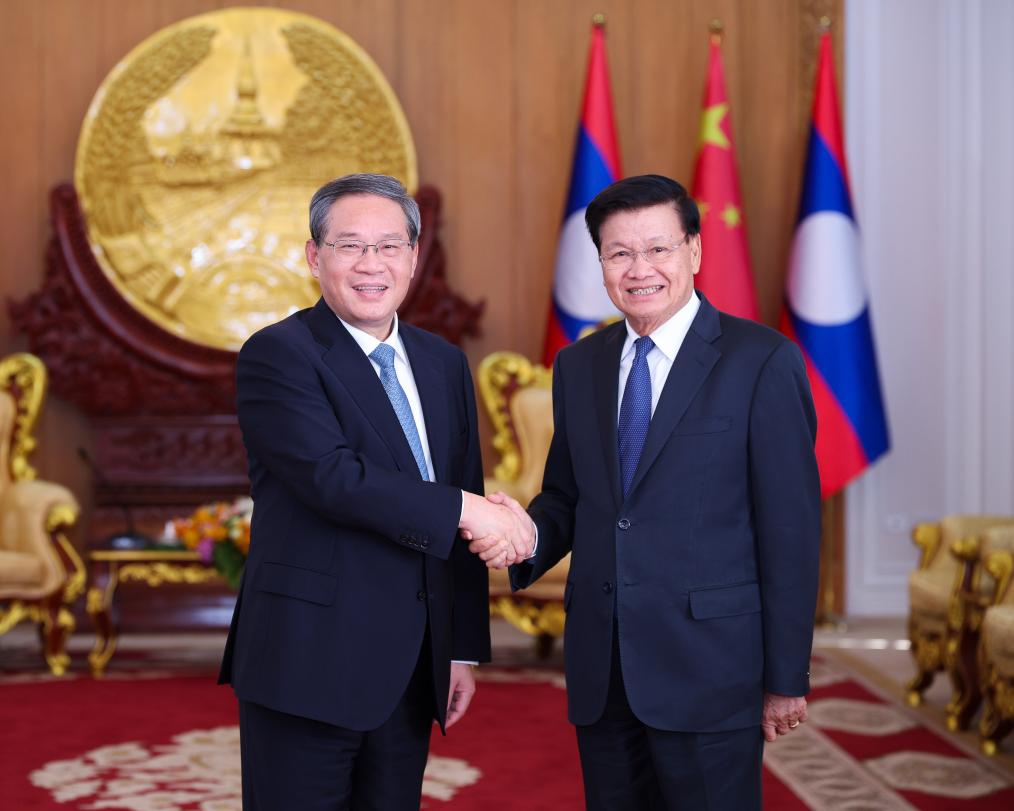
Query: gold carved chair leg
927	643
997	719
964	619
996	649
927	650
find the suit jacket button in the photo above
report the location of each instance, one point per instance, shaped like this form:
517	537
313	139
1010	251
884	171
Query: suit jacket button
623	523
607	587
421	596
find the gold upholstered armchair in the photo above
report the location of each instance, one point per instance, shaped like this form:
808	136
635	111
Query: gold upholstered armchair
947	594
518	398
41	574
996	643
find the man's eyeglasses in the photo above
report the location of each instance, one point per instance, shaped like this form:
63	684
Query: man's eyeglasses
656	255
349	250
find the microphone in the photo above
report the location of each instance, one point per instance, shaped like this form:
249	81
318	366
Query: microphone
129	539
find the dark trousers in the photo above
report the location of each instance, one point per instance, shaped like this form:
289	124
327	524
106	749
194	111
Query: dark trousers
291	762
629	766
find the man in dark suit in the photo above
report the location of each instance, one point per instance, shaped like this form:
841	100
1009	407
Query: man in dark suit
364	460
682	477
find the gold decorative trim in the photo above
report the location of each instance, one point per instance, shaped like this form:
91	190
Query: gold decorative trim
141	556
99	602
155	574
17	612
24	376
534	619
60	517
1000	566
927	538
500	374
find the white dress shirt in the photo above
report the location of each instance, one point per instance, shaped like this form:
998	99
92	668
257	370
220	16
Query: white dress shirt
668	339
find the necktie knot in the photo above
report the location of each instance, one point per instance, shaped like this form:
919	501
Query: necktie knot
383	356
642	346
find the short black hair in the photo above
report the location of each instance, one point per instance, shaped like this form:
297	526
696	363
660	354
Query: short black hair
642	191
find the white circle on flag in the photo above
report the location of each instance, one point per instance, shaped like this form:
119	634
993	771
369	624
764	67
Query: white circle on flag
825	283
578	287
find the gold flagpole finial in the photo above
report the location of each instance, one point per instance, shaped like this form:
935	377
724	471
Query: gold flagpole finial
717	28
824	25
599	20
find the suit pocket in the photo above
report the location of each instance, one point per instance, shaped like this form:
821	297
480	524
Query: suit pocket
703	425
303	584
568	591
725	601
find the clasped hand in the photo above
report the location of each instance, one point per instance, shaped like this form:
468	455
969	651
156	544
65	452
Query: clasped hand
498	529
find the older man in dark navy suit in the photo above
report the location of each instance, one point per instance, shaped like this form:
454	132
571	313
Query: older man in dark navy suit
682	478
360	612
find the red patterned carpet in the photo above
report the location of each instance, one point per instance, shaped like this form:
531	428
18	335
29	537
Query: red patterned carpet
149	740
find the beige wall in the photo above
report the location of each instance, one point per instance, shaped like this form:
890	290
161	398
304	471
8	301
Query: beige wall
491	89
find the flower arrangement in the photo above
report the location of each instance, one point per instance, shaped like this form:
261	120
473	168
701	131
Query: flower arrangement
219	533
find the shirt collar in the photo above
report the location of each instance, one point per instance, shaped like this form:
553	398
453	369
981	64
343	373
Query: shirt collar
368	343
668	338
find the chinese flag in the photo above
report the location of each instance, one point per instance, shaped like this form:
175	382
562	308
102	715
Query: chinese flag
725	276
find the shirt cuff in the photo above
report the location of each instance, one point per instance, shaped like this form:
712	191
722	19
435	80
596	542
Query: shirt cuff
464	662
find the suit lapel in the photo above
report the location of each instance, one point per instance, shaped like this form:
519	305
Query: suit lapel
694	362
346	359
606	373
433	386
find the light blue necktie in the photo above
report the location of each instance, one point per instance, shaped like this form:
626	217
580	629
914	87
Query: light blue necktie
635	412
383	356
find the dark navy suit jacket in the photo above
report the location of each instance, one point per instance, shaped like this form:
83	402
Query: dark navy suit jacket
352	554
709	566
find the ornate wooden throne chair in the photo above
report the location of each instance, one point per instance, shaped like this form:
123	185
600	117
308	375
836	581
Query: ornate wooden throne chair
41	574
996	646
519	401
946	599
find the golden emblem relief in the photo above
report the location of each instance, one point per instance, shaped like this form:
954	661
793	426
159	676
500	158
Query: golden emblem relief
200	152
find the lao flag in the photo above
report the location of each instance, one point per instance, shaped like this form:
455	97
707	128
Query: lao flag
827	308
579	297
725	276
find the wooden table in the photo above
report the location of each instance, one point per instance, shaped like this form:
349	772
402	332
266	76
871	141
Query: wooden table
152	567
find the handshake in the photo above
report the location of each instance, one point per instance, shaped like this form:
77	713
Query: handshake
498	528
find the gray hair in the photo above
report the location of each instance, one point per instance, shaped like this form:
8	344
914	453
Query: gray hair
379	185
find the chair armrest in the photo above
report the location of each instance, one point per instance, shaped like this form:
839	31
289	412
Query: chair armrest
1000	565
927	538
967	551
33	515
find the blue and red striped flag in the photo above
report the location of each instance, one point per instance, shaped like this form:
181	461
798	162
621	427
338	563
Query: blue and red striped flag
827	306
579	297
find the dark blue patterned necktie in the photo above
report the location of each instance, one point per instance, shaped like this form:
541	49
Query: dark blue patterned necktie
635	412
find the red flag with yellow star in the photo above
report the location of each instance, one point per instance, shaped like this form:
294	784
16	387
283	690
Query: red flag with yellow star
725	276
